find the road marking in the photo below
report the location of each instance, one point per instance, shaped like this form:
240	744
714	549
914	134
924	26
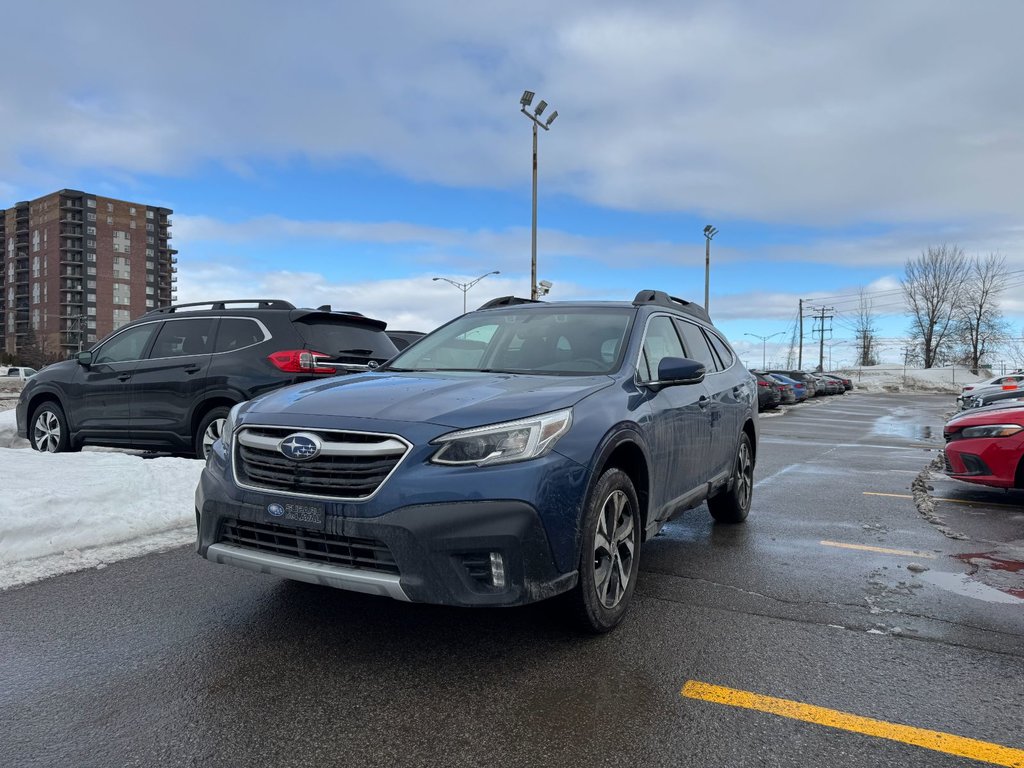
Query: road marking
883	550
972	502
936	741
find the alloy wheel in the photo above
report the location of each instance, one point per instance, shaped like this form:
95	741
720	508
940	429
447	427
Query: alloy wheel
211	435
47	432
614	549
744	475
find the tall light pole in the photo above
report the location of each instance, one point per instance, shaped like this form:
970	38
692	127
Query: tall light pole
524	102
709	232
464	287
764	344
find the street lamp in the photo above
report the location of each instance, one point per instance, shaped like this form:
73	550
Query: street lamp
764	343
464	287
524	102
709	232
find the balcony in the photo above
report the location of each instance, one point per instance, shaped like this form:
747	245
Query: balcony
71	245
71	204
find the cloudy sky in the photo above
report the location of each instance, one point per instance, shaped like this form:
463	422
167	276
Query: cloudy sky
349	152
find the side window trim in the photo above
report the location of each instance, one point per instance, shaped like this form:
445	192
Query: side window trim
641	356
213	337
120	331
267	335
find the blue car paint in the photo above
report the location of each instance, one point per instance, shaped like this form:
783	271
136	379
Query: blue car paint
799	388
668	427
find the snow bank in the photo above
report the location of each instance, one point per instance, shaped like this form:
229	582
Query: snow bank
63	512
894	378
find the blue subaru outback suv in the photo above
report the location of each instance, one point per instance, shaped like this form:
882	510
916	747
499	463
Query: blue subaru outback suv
521	451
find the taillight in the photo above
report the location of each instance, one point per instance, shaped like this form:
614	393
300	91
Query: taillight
763	383
300	361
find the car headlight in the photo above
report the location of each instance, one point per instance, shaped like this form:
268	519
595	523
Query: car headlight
992	430
228	430
502	443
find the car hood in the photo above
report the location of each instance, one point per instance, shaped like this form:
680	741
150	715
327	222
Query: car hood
62	371
997	413
451	399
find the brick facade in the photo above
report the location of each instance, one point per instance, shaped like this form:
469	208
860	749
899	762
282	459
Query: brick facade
75	266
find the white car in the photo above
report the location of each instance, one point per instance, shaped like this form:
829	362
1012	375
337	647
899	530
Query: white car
1008	381
19	373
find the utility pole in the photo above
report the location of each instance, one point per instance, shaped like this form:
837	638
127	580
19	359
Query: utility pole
800	354
820	316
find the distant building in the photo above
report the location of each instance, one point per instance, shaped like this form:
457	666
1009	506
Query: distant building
75	266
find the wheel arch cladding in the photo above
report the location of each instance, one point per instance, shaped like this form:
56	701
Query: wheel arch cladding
629	457
748	427
206	406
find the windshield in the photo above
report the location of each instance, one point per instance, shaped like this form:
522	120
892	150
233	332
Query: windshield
525	339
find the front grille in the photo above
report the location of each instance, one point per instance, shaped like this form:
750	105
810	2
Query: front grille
351	465
315	546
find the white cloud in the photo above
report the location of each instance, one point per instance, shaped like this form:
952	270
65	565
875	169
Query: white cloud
801	112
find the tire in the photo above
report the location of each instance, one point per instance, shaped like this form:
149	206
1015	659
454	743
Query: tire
208	431
48	429
733	505
609	553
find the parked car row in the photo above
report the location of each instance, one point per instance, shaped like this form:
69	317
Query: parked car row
1004	387
775	388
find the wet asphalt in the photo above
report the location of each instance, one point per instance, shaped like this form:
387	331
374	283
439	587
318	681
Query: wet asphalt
169	660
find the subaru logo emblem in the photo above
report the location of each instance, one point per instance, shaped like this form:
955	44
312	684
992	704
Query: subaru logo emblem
301	446
275	509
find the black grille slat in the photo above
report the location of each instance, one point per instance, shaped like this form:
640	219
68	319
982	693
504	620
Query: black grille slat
314	546
347	476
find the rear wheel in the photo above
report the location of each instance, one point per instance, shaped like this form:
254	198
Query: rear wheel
48	429
733	505
208	431
609	553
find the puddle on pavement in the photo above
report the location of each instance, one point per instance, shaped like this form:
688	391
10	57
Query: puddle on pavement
888	426
992	561
964	585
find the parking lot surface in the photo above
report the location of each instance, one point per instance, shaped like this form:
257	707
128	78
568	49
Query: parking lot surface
840	626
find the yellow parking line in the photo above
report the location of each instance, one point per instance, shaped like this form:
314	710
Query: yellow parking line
918	737
883	550
974	502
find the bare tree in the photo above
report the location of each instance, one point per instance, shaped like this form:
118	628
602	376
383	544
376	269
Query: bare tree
980	325
932	286
867	332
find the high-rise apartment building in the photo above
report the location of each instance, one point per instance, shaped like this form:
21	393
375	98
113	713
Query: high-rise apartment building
75	266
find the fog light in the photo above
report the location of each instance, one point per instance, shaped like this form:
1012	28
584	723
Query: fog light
497	570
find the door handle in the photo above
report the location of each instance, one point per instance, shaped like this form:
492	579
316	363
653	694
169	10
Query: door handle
124	377
193	368
704	402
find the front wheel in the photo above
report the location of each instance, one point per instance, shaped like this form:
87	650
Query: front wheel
48	430
609	552
733	505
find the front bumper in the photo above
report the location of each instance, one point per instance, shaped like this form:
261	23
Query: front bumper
460	553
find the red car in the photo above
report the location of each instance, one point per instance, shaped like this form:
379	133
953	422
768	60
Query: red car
986	446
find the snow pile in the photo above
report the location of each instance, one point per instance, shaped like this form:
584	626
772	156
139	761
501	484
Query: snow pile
896	378
63	512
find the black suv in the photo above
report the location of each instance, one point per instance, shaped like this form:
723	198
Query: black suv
167	380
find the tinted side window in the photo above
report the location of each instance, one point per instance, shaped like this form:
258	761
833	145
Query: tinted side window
178	338
697	345
127	345
724	353
660	342
237	332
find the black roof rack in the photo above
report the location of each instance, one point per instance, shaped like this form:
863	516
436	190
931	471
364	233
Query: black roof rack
222	304
664	300
507	301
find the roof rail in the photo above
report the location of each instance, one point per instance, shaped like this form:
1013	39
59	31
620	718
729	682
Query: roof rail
664	300
507	301
222	304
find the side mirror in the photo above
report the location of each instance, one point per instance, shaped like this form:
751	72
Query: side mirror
84	358
675	371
